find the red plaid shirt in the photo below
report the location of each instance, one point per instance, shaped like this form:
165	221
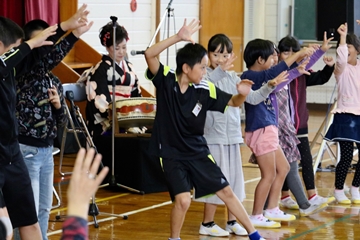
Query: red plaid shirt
75	228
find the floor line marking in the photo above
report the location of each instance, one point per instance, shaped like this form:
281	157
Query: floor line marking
128	213
252	180
115	216
319	227
97	200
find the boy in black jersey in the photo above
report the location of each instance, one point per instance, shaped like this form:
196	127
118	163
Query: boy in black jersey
183	97
16	59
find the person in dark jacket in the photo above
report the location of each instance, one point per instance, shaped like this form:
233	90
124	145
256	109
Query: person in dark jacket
15	181
40	110
16	60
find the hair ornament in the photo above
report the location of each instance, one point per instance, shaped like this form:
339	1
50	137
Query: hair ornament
106	36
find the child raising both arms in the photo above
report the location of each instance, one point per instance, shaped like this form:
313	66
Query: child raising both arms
261	132
183	98
345	127
223	132
288	46
287	133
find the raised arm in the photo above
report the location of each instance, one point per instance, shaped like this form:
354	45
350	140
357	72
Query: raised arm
184	34
61	49
322	76
84	182
298	56
79	19
342	50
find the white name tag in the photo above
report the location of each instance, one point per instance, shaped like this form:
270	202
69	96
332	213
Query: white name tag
197	109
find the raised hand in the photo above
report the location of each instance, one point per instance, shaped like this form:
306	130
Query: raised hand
314	46
84	182
325	45
358	22
302	67
40	39
342	30
304	53
329	60
228	64
187	31
83	29
282	77
244	86
77	20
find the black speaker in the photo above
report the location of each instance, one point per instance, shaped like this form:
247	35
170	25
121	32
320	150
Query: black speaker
332	13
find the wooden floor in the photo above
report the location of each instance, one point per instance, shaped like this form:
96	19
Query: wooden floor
149	214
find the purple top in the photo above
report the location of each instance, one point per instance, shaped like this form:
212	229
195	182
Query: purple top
293	74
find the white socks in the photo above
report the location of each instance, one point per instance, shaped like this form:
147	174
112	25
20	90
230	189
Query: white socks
340	196
355	195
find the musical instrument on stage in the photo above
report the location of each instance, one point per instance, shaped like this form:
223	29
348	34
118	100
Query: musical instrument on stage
135	112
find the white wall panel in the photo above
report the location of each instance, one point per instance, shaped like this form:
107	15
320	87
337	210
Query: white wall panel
140	26
181	9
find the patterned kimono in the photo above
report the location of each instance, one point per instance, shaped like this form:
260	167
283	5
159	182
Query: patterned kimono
99	91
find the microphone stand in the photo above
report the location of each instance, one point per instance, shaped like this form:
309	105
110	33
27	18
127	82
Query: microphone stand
168	15
112	179
93	209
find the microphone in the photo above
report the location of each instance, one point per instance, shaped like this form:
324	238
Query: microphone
134	52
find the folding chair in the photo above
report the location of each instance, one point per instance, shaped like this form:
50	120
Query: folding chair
74	92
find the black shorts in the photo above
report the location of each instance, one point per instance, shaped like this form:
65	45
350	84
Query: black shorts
17	191
202	174
2	201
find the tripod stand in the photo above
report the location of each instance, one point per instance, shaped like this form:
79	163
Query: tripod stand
76	92
169	12
325	145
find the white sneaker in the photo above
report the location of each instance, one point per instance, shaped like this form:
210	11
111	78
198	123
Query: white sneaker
312	209
289	203
341	197
213	230
237	229
279	215
263	222
355	195
318	200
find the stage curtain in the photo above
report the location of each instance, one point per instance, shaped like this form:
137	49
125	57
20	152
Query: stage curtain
13	9
42	9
